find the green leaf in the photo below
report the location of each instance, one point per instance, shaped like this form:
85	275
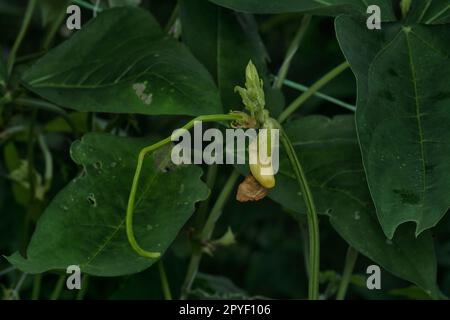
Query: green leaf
403	118
122	62
429	11
328	7
225	42
328	150
85	223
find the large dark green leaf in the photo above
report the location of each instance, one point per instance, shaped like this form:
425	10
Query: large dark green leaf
85	223
329	152
403	117
327	7
225	42
122	62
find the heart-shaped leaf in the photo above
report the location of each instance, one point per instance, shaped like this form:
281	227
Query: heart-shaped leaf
84	225
403	116
122	62
328	150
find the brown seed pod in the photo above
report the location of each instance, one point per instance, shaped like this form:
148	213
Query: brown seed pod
250	190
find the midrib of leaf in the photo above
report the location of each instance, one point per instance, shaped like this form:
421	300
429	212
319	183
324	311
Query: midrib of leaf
326	141
109	238
103	246
418	115
323	2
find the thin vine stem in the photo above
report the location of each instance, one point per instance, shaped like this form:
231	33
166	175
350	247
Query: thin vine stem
130	207
207	232
84	286
164	281
313	89
53	29
173	17
23	29
56	293
200	216
19	285
292	50
300	87
7	270
350	260
37	282
31	180
312	219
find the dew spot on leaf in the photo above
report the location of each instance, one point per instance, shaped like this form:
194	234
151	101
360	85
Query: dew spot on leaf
408	196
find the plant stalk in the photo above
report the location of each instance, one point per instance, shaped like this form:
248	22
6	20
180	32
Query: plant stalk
350	260
56	293
164	282
292	50
36	287
312	90
207	232
312	219
23	30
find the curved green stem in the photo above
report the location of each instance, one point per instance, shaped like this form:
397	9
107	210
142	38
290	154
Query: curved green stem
313	224
207	232
21	35
130	208
164	282
350	260
56	293
292	50
312	90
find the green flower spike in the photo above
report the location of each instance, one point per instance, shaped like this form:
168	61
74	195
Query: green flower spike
253	94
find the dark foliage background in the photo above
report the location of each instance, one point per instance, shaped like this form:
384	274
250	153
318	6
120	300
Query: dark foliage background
268	258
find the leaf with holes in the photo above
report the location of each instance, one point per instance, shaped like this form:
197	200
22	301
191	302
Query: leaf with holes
122	62
402	118
85	223
329	152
